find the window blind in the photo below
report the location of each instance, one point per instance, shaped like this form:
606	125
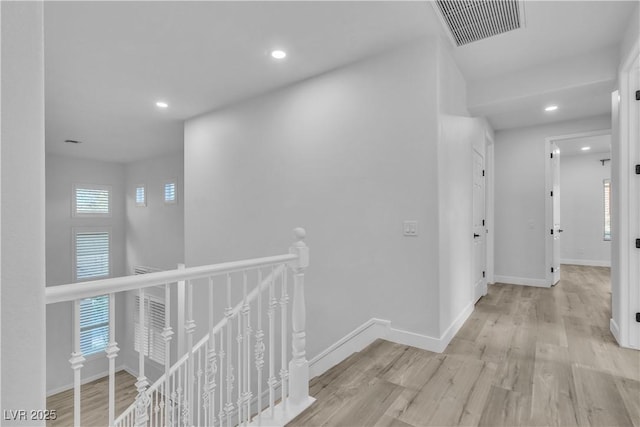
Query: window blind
92	200
170	195
141	199
92	254
94	324
607	209
149	337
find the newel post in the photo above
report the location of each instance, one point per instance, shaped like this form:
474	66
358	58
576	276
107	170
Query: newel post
299	366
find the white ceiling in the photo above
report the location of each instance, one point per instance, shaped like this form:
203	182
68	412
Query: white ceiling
598	144
106	63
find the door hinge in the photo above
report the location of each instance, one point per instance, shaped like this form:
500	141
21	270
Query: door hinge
483	222
638	95
482	172
483	274
552	155
637	169
552	269
637	317
637	243
552	231
552	194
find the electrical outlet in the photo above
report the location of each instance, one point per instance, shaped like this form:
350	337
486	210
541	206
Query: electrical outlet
410	228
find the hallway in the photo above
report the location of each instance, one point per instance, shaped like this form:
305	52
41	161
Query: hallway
526	356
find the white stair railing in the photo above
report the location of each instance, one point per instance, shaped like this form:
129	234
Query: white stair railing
216	382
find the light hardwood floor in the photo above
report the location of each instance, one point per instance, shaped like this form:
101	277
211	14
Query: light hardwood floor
94	402
526	357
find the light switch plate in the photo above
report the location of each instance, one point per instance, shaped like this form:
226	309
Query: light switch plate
410	228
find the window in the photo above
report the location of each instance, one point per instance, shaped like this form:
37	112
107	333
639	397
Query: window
91	200
92	260
141	196
170	192
94	324
607	209
152	342
92	255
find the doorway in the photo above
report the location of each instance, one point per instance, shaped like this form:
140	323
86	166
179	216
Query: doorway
577	217
479	228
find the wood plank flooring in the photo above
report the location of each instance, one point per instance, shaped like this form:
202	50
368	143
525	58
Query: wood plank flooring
95	398
526	357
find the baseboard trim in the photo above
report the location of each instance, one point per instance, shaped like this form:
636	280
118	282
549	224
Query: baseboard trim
615	331
374	329
586	262
354	341
524	281
85	380
425	342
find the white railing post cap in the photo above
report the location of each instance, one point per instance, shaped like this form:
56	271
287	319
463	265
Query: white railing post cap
300	248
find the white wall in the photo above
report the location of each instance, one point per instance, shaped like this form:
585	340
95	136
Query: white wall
61	174
22	211
520	198
154	238
624	268
155	233
582	209
455	200
349	155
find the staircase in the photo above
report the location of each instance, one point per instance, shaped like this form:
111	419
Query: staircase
241	371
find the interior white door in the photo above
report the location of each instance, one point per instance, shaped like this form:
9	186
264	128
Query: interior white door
556	230
634	129
479	231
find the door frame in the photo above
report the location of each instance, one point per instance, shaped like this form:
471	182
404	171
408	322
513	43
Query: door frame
489	195
625	286
482	152
548	201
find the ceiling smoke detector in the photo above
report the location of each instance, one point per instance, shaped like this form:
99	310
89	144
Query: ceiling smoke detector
472	20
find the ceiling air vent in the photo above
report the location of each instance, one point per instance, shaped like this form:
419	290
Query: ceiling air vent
473	20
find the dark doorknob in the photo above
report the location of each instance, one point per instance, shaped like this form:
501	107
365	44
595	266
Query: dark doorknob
475	235
560	230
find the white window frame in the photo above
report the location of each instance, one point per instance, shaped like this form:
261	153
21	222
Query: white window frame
606	183
174	182
74	232
74	265
74	211
142	204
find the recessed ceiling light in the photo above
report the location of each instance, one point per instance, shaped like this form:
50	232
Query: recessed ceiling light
161	104
585	148
551	108
278	54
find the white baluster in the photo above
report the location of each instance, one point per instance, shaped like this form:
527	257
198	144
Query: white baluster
246	312
271	314
212	363
299	366
199	385
228	407
174	401
142	400
167	333
259	350
222	376
163	405
181	319
112	352
189	328
284	372
240	367
77	360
